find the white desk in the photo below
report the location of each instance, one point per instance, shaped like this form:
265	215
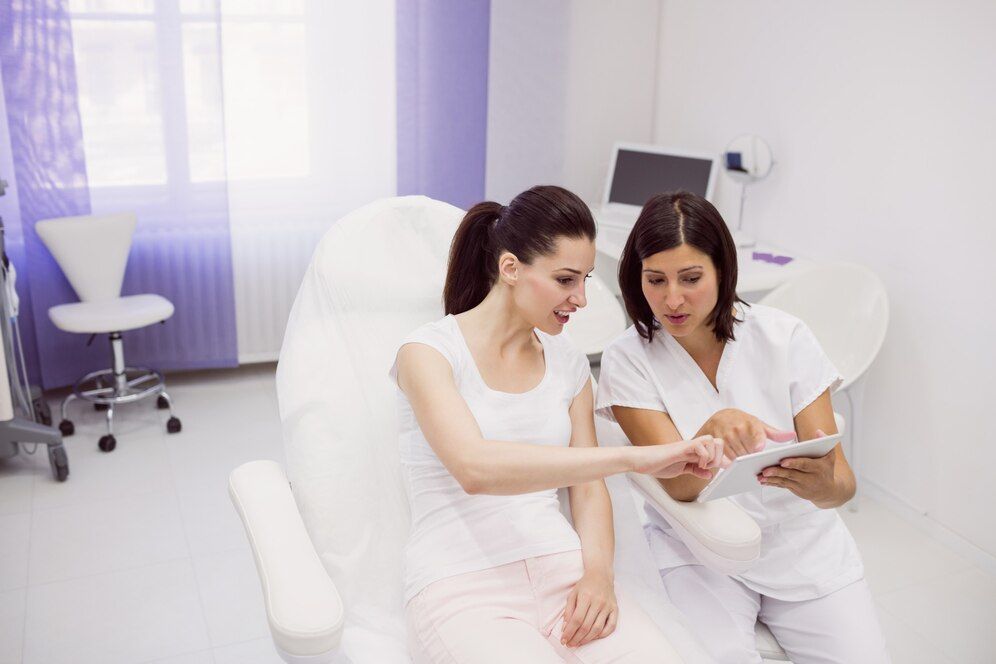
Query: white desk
755	277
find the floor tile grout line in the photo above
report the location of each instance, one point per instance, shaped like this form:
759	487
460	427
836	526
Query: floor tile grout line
912	628
932	579
138	493
27	572
209	651
927	579
128	568
924	633
179	654
268	639
186	542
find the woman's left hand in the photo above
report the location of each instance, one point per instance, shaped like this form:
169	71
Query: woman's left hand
591	611
811	479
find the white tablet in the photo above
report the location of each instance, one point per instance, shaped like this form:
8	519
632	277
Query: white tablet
741	475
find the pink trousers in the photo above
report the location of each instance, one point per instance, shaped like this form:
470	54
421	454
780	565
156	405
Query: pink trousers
513	613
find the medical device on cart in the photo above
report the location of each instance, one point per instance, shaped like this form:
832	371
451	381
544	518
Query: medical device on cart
25	420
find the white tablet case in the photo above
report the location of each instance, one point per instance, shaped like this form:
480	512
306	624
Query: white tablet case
741	475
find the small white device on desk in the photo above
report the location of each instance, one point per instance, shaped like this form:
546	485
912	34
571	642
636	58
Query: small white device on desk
747	160
741	475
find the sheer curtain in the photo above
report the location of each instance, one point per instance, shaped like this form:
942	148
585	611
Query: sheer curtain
149	99
310	109
275	116
238	131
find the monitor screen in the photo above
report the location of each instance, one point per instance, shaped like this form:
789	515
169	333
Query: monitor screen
639	175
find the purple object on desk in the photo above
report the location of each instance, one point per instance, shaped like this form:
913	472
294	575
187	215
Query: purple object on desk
771	258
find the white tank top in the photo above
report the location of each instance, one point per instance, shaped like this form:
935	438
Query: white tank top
452	531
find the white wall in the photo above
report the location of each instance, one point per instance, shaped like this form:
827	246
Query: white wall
567	80
881	118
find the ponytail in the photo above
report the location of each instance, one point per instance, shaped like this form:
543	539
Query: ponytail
527	228
471	271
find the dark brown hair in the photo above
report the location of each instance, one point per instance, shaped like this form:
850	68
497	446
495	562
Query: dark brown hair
528	227
667	221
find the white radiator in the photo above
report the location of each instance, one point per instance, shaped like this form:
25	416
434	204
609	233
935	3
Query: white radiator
268	263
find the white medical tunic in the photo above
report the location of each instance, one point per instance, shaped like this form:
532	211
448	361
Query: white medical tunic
773	370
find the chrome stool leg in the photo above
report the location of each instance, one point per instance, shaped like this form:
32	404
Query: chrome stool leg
173	424
108	443
66	426
107	389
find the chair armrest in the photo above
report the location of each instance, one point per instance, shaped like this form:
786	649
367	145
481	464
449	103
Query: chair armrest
303	607
719	534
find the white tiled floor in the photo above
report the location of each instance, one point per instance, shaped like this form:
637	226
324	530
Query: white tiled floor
140	558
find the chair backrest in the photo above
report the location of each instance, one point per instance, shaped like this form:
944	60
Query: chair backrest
92	251
845	306
376	275
601	320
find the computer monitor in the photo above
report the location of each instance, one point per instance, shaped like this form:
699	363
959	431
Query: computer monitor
637	172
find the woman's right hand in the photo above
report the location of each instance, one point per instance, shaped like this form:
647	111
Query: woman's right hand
742	432
698	457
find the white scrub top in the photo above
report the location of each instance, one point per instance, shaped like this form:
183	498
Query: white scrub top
773	370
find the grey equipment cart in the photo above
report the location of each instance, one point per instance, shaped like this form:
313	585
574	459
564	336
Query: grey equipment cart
25	419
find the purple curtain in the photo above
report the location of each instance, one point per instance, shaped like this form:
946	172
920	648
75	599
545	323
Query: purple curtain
39	79
442	74
181	249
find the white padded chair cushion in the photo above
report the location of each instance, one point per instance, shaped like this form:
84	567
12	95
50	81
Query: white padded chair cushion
829	298
115	315
721	535
600	321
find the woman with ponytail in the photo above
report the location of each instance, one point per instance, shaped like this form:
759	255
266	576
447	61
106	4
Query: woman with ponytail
496	414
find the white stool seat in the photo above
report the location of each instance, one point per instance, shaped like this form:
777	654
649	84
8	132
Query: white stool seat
113	315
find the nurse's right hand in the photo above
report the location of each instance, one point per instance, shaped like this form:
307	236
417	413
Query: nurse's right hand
742	433
698	457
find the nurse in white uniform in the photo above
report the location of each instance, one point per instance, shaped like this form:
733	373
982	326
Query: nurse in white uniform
700	361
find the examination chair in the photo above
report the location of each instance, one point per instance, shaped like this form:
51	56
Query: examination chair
328	532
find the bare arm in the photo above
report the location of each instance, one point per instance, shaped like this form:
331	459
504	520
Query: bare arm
590	504
826	482
653	427
505	467
740	432
592	610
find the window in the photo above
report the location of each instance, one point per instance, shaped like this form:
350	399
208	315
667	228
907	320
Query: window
155	109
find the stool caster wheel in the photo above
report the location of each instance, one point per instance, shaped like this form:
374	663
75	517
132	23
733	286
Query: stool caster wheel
107	443
66	428
162	403
173	425
100	406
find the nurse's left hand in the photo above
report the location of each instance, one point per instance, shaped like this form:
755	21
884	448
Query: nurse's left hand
591	611
811	479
